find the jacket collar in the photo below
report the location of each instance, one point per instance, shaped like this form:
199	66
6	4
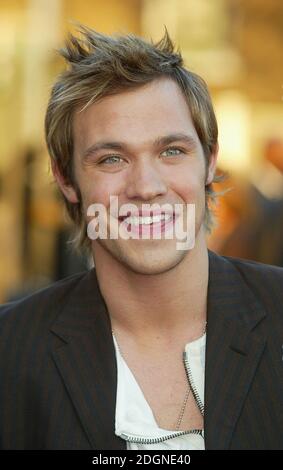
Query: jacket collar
87	362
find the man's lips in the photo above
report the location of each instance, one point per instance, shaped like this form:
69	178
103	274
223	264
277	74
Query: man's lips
145	214
149	225
147	222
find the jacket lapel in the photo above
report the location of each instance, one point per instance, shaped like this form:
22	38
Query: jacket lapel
233	350
87	363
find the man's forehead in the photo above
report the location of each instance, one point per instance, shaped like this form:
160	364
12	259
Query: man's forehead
152	98
135	115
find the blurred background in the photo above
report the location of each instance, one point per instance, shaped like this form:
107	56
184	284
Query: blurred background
235	45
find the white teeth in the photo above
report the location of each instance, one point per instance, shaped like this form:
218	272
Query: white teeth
147	220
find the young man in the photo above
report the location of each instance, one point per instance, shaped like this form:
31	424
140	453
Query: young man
157	347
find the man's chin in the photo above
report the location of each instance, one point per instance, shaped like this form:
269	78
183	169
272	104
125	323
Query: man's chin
151	264
151	259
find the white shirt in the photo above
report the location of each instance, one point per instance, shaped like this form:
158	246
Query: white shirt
134	419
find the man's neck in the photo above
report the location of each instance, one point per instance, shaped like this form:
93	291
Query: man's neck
158	307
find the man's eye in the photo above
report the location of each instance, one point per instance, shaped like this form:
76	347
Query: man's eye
172	152
111	160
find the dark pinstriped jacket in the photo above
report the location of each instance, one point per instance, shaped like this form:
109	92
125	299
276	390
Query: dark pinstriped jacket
58	367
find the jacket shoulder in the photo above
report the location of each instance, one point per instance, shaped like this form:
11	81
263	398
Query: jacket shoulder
265	281
254	271
49	299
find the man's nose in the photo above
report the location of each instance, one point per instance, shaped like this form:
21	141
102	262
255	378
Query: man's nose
145	182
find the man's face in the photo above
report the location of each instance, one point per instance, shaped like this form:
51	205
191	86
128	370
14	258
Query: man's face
146	151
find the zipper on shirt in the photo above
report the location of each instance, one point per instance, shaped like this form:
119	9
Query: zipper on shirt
157	440
192	385
200	432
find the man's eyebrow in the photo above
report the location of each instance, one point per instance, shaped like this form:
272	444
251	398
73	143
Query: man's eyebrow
160	141
102	146
168	139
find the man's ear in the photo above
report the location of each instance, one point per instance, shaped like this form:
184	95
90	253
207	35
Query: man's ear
212	164
67	189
